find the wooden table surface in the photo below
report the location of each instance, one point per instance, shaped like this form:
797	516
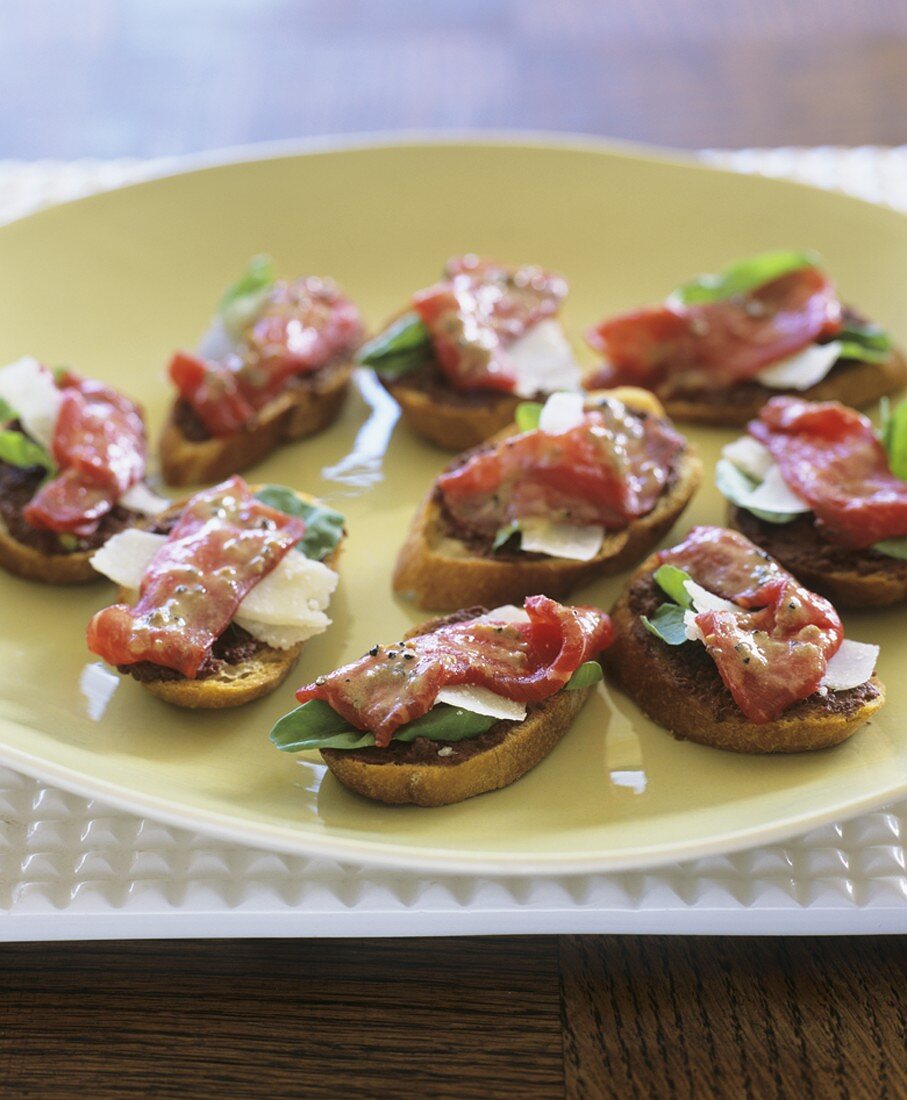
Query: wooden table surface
539	1017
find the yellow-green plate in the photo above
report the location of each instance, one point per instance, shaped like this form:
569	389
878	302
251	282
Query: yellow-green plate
114	283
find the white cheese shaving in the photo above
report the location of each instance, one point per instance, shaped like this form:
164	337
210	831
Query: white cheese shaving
774	495
543	361
703	600
803	370
141	499
749	456
561	412
481	700
691	627
30	389
217	343
561	540
851	666
507	613
285	608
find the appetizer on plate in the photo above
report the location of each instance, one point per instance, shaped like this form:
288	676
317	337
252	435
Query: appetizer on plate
460	706
581	487
220	594
473	346
814	486
722	345
719	644
274	366
72	468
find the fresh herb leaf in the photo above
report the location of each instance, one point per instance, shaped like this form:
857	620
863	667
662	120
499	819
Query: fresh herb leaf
743	276
734	484
859	353
894	548
242	302
7	412
867	335
324	528
588	673
316	725
671	581
667	624
402	347
17	449
528	415
504	535
894	438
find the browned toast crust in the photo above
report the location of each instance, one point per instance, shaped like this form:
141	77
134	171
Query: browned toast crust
851	383
442	573
849	578
448	423
679	688
34	565
295	414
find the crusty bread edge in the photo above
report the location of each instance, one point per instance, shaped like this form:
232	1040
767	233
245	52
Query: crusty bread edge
34	565
294	414
444	578
861	384
426	784
640	670
244	682
845	588
450	426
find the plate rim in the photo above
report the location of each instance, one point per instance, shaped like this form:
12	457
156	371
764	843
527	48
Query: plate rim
376	853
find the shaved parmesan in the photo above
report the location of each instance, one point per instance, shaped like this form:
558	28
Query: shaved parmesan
803	370
30	389
773	495
703	600
851	666
285	608
561	540
480	700
562	412
141	499
508	613
217	344
691	627
750	456
543	361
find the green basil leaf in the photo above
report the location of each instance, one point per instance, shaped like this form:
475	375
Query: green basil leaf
588	673
324	528
528	415
894	548
17	449
504	535
743	276
850	349
868	336
671	580
7	412
894	438
734	484
667	624
242	302
402	347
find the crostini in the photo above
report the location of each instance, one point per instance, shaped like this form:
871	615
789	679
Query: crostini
724	344
459	706
274	366
473	346
219	594
816	487
581	487
719	644
72	468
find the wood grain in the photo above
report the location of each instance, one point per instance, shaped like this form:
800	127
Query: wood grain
721	1017
440	1018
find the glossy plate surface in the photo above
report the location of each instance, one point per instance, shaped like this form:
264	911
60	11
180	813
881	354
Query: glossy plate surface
114	283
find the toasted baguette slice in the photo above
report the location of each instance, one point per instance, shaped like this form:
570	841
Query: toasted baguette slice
850	578
679	687
294	414
441	573
852	383
449	421
236	684
34	565
497	758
